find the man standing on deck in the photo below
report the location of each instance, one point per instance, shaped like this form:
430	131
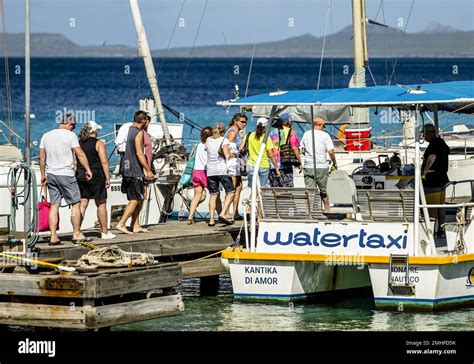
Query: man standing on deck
57	166
134	170
322	146
435	172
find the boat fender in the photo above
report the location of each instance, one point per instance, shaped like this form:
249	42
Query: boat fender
341	134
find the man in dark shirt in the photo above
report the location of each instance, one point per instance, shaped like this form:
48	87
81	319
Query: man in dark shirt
134	169
435	172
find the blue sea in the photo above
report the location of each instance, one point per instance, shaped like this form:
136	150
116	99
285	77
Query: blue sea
108	91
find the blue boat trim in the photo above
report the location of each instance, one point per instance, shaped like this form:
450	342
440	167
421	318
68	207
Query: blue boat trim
421	300
302	295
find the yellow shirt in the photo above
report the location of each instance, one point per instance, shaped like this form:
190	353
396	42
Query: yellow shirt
254	149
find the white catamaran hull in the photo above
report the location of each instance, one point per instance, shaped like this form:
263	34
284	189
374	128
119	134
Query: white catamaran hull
293	280
313	259
431	286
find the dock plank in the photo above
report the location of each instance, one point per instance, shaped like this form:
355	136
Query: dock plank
28	314
203	268
126	312
134	281
23	284
98	285
170	239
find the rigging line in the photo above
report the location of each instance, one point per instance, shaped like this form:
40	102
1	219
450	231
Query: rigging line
226	46
194	43
252	57
7	66
228	54
332	51
406	26
250	69
186	120
171	37
3	104
324	44
368	32
386	44
371	74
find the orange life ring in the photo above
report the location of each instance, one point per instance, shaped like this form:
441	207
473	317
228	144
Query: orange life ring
341	135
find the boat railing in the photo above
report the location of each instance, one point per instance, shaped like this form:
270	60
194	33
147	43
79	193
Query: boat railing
291	203
451	187
368	205
386	205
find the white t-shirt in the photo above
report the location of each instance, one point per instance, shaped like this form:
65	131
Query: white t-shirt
323	144
58	145
232	146
216	165
122	135
200	158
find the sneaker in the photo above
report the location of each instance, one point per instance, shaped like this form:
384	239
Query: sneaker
107	236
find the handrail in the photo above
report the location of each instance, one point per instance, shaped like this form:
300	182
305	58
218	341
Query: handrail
447	206
255	180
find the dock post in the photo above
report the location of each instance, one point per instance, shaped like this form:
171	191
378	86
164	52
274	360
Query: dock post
209	285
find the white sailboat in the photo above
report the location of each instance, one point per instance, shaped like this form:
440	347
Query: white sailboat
161	197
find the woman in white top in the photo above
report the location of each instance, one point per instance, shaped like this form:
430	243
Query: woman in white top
217	174
231	145
199	172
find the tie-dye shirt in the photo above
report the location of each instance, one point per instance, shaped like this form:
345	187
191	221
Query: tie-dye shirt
278	137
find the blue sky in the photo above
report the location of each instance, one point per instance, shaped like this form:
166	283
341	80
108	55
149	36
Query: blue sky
239	21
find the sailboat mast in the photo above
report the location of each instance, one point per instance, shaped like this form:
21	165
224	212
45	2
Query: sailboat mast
360	42
144	51
361	57
27	207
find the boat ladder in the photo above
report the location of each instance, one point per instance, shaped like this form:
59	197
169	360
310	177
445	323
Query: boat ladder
404	288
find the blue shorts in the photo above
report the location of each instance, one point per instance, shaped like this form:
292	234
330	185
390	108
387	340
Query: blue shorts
263	174
214	181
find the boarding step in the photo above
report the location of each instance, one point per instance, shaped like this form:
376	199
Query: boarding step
399	276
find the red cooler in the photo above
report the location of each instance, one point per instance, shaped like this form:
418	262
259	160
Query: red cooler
358	139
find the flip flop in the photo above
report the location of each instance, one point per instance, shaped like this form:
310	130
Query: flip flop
225	221
83	240
55	243
238	218
209	224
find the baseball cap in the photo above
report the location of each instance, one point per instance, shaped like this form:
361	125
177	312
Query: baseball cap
428	127
262	121
286	116
94	126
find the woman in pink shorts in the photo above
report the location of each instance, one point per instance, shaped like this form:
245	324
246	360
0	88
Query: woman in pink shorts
199	172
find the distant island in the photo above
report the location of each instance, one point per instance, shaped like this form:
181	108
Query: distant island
436	40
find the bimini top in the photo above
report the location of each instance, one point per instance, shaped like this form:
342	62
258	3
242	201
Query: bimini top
452	93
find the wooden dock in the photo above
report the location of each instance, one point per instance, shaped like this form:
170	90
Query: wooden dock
93	299
90	300
173	241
